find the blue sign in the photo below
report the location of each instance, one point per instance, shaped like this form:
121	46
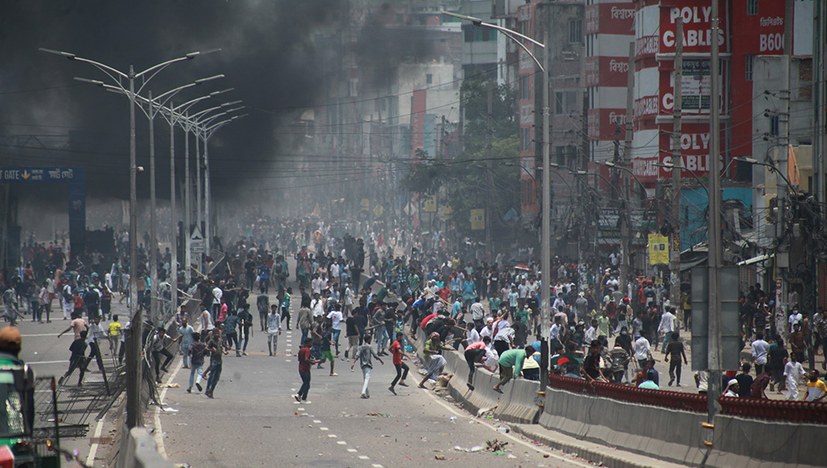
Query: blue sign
39	174
76	179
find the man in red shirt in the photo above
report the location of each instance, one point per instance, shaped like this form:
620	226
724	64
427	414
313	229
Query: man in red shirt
401	367
305	363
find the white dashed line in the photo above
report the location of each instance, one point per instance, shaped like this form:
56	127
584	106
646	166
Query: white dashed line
292	389
333	436
317	421
352	450
364	457
300	409
377	465
287	360
341	442
323	429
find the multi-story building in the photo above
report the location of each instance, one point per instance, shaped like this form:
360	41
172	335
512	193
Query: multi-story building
566	60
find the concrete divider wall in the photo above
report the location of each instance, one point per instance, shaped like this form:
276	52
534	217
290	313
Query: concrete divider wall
140	451
741	442
667	434
520	402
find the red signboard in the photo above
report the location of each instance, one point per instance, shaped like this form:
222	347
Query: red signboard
646	106
604	124
694	149
645	169
697	26
606	71
610	18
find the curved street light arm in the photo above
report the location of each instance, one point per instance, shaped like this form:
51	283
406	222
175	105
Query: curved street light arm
479	22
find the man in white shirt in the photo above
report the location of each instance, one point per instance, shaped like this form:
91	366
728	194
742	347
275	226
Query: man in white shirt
471	335
273	329
217	293
666	327
641	351
477	312
760	350
336	320
795	317
317	305
591	332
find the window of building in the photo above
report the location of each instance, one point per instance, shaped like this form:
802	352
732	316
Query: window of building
525	139
774	125
524	91
565	102
429	78
748	62
752	7
560	155
575	31
473	33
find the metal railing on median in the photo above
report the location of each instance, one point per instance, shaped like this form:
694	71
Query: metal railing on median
751	408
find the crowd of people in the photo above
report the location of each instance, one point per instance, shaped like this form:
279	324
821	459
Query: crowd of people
351	298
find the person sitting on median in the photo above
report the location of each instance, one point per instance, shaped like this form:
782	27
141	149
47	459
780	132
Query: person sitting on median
649	383
511	364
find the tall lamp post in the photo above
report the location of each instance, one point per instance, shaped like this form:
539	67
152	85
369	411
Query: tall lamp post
126	82
207	131
153	108
175	115
545	229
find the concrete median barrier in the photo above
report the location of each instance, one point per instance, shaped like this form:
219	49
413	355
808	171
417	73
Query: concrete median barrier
743	443
519	404
671	435
139	450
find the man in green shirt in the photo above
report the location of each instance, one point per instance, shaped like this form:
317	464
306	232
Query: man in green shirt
511	364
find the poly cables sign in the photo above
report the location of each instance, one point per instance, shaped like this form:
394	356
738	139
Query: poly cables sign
697	27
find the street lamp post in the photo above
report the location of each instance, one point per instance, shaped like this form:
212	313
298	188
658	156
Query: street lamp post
545	229
207	132
119	78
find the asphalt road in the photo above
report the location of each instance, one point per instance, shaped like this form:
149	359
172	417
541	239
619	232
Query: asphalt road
254	420
48	355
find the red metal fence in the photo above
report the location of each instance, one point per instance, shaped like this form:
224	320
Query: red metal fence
778	410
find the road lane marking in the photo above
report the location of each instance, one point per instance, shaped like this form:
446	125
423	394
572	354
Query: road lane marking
317	421
377	465
341	442
352	450
90	459
38	334
332	436
323	429
364	457
159	432
45	362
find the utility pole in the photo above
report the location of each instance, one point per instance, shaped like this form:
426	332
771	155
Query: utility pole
187	196
490	148
134	361
818	139
714	241
625	230
153	223
677	167
173	229
545	244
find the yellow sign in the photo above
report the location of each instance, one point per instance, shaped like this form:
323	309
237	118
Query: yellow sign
477	219
365	204
429	205
658	249
445	212
378	210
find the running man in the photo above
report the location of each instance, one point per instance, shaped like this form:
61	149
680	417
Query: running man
364	355
305	364
401	368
